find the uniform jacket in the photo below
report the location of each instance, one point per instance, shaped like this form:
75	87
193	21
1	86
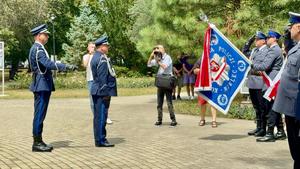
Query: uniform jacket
104	83
271	63
254	80
41	67
288	87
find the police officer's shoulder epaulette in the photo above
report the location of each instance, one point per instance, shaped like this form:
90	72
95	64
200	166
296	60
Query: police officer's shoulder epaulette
103	59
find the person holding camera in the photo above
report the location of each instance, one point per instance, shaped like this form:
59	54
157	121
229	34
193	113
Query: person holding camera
161	59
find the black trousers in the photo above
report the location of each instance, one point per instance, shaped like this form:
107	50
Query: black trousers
274	118
161	92
257	100
293	131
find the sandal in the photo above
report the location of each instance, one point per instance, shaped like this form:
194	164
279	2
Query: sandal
202	123
214	124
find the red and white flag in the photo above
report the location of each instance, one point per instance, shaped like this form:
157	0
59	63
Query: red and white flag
271	92
203	80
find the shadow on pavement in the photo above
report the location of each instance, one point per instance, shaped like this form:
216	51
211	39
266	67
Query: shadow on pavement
61	144
116	140
223	137
65	144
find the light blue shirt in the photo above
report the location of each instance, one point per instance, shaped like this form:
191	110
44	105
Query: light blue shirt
166	60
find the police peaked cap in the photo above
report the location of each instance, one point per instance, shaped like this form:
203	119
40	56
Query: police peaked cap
273	34
294	17
40	29
103	40
260	35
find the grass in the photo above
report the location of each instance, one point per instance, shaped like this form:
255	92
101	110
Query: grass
191	107
76	93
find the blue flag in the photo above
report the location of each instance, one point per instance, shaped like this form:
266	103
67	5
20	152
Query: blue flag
228	70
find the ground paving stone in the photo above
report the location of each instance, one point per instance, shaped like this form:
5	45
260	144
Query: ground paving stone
139	144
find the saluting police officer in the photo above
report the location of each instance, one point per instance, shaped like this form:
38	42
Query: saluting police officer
271	64
42	83
104	86
255	84
287	91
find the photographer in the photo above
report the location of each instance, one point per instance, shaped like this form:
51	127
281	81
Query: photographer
160	58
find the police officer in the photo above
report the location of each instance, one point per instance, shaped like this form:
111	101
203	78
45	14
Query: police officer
285	101
104	86
271	64
42	84
255	83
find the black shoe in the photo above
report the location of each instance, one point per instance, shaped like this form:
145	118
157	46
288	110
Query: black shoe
173	123
158	123
269	137
106	144
260	133
178	97
252	132
40	147
173	98
280	135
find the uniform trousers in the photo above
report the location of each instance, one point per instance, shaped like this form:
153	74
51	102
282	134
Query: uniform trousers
293	132
101	105
41	101
257	100
274	118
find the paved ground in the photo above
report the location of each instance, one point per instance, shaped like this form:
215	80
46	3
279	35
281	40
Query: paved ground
139	144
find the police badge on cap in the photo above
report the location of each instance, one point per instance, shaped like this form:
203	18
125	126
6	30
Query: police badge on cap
40	29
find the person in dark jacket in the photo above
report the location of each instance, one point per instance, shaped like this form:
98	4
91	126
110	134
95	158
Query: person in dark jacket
103	87
42	83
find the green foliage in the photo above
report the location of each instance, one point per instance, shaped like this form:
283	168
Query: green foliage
115	20
174	23
84	30
239	111
125	72
20	17
77	80
10	42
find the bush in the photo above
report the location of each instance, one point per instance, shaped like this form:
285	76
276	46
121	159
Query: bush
142	82
76	80
125	72
240	111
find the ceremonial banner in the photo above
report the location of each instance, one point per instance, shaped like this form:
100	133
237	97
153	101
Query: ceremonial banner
271	92
228	68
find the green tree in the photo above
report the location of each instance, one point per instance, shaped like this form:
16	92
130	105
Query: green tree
85	28
116	22
20	16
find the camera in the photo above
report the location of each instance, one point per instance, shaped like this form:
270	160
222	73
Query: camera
158	54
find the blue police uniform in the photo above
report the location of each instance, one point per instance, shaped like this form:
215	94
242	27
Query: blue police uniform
42	85
255	85
104	86
42	82
286	98
271	64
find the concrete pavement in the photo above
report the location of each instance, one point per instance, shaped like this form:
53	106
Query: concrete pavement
139	144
